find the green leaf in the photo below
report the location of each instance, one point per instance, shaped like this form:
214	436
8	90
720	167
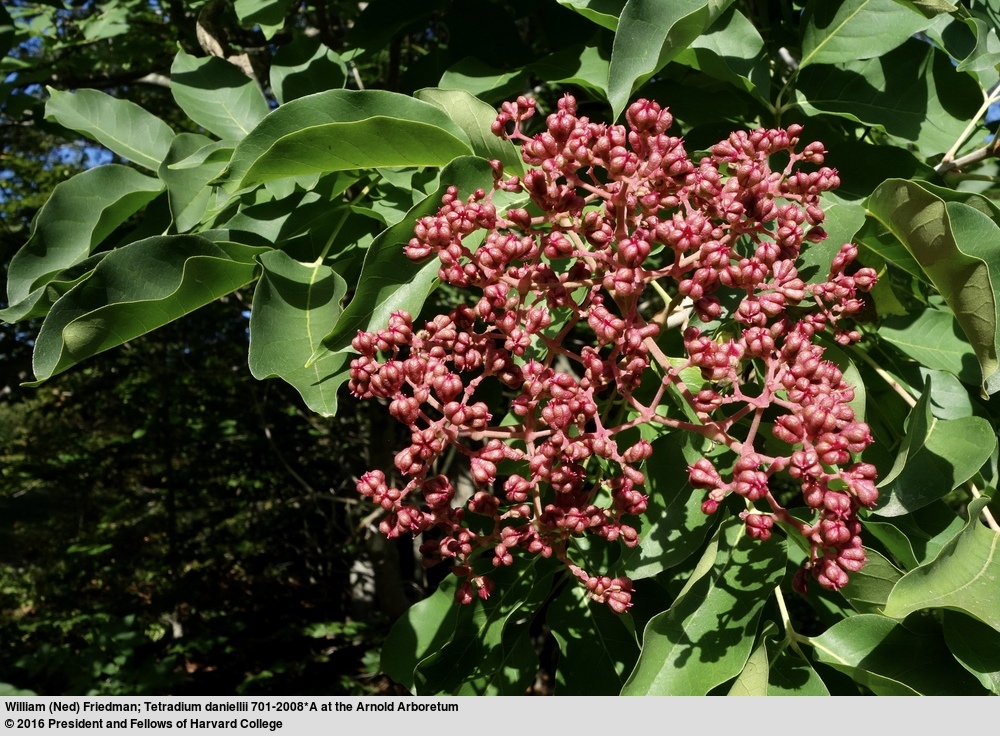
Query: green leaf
268	14
475	117
476	660
345	129
732	50
933	338
602	12
79	215
391	282
597	648
790	674
216	95
707	635
294	306
424	629
843	220
580	66
136	289
936	457
931	8
913	93
304	67
752	680
650	34
888	659
965	576
187	188
917	537
847	30
119	125
485	82
868	590
976	646
954	244
382	20
674	526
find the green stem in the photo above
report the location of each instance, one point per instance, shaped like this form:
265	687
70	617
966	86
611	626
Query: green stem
990	99
792	638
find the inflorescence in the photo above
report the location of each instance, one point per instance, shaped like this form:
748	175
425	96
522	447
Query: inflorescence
562	324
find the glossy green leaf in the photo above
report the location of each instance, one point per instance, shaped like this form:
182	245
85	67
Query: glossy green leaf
345	129
707	635
119	125
187	188
125	298
389	281
674	526
79	215
304	67
976	646
918	537
965	576
425	627
602	12
732	50
294	306
912	92
953	242
216	95
579	66
475	118
868	590
934	339
888	659
847	30
269	15
597	648
650	34
936	457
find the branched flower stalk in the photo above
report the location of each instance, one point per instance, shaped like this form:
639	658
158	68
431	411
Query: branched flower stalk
559	325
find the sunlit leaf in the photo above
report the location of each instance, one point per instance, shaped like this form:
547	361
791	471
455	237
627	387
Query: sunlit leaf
650	34
887	658
846	30
935	458
707	635
965	576
345	129
119	125
216	95
954	244
124	298
79	215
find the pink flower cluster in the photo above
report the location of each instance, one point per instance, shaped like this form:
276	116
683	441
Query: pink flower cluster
565	327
